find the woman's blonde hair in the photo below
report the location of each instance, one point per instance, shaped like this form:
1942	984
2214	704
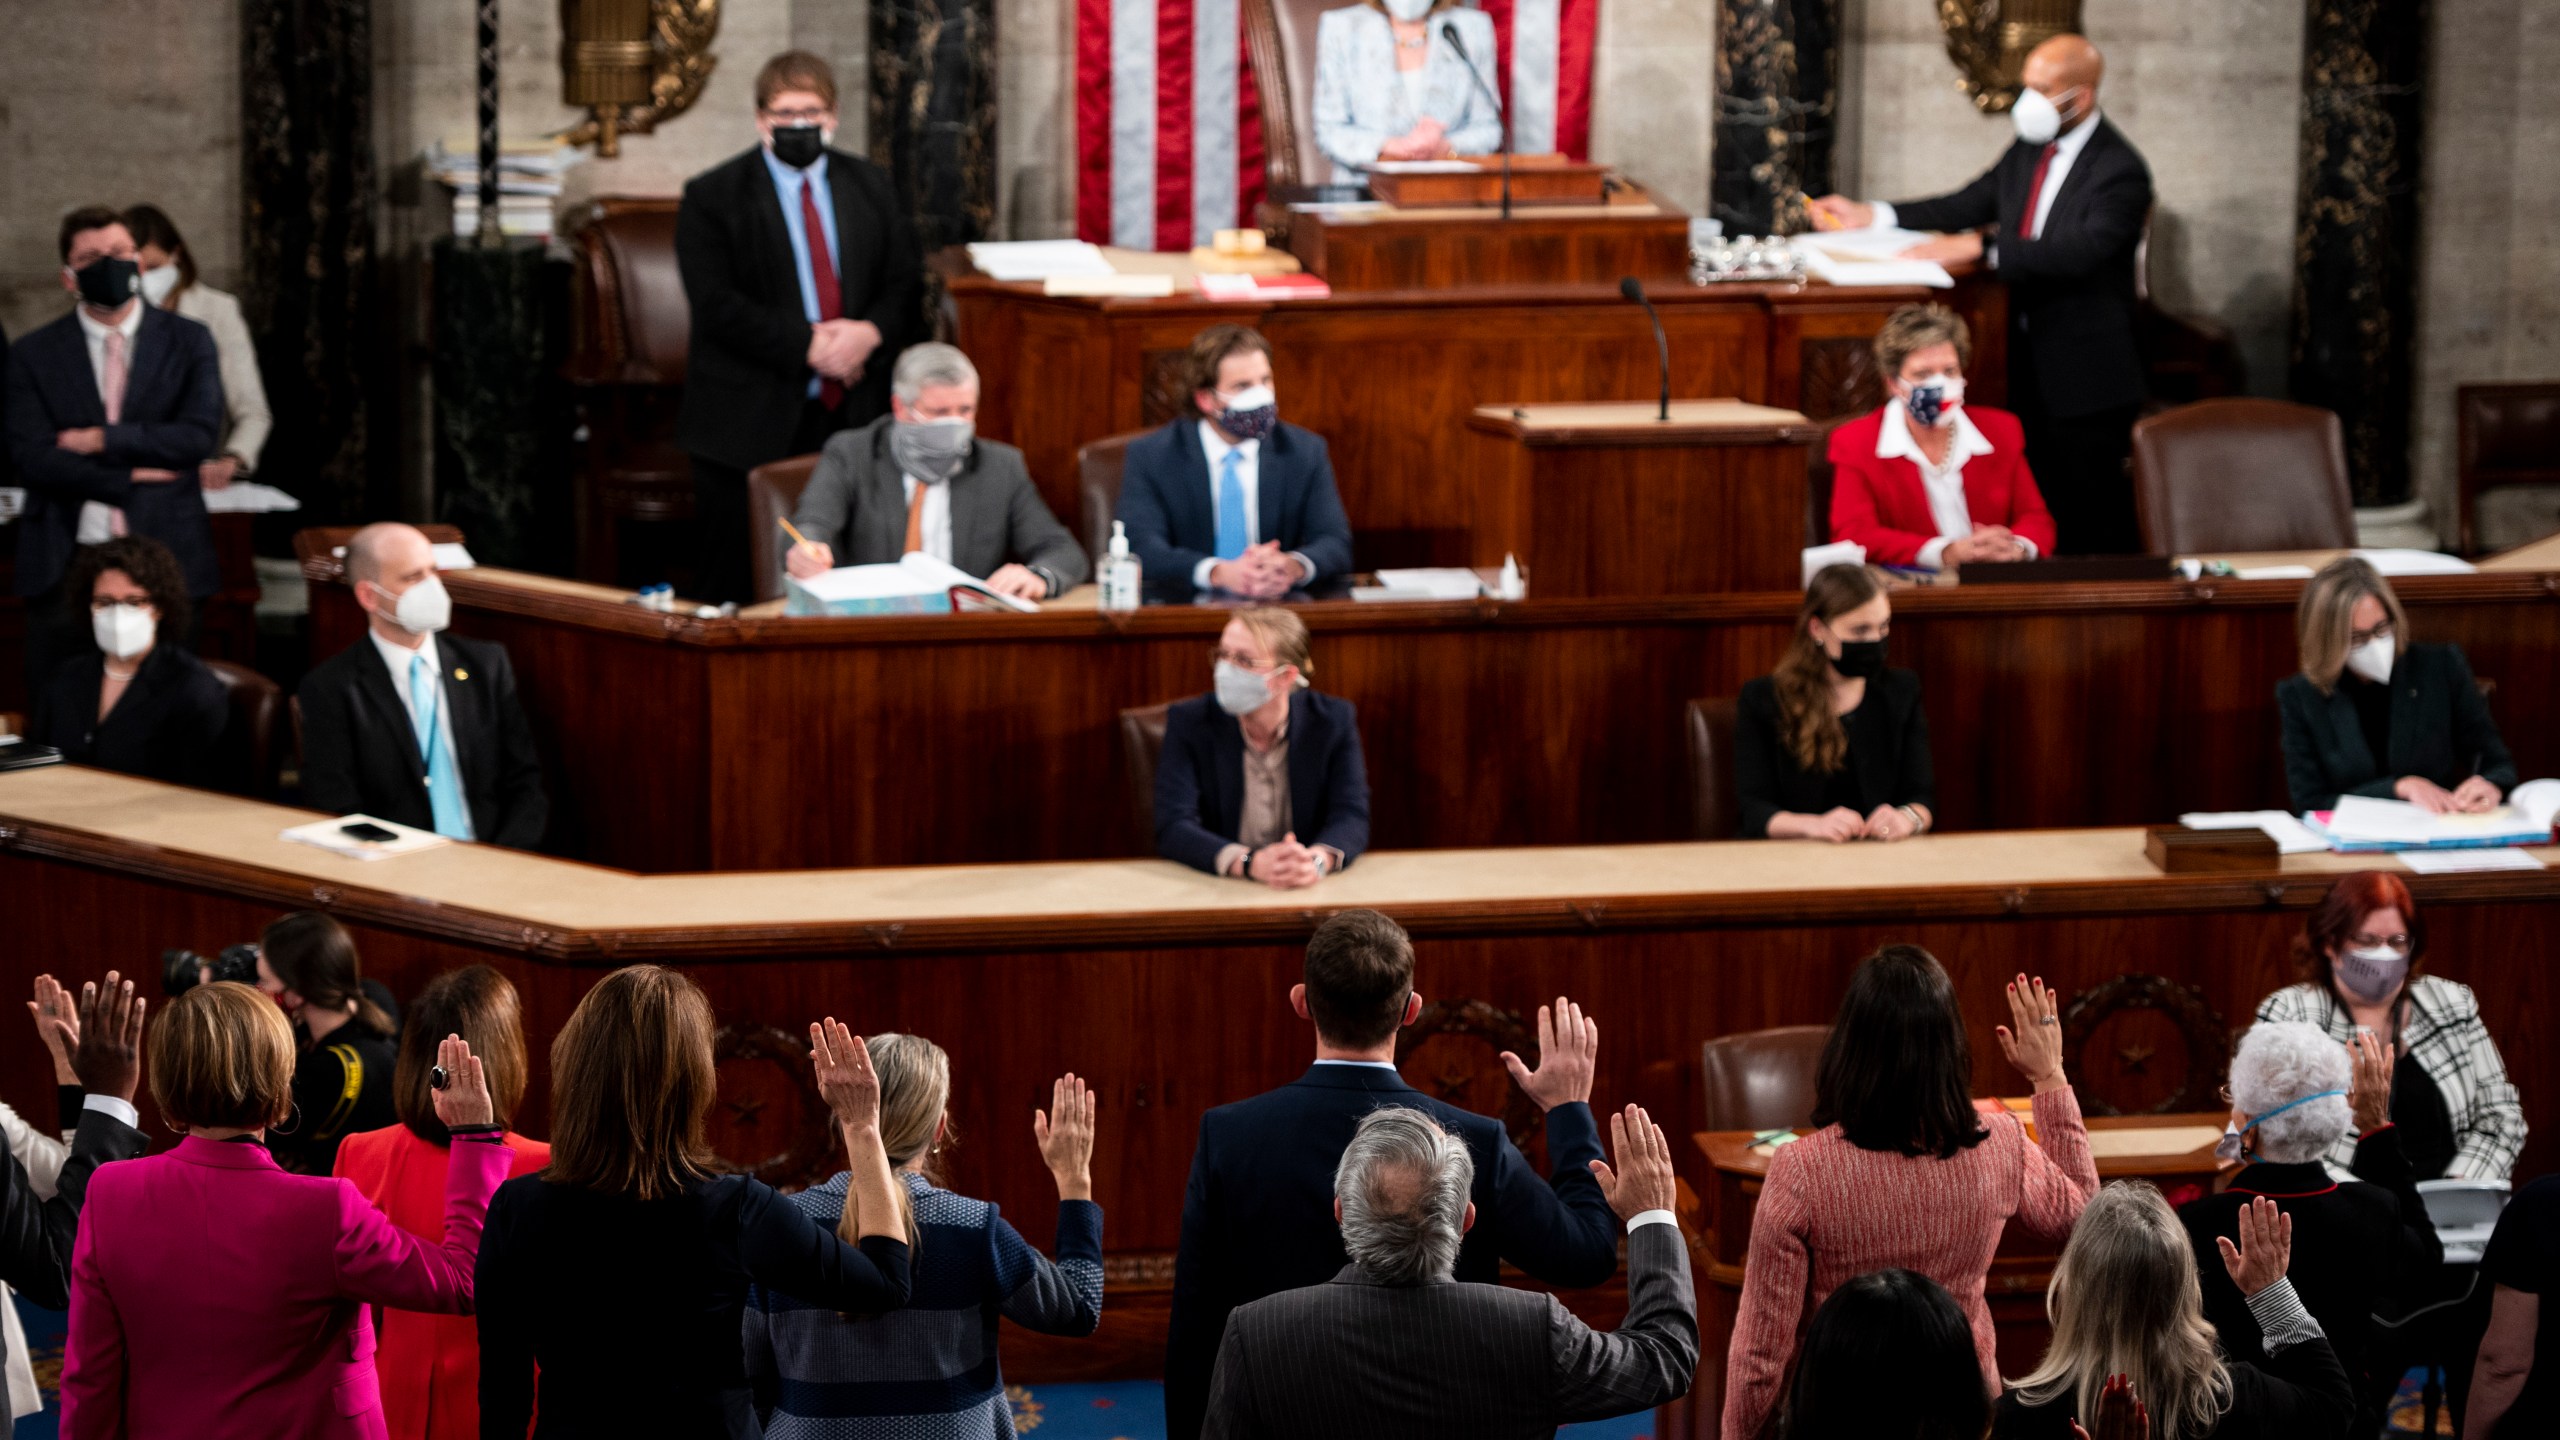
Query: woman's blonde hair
1286	634
2324	623
915	1090
2124	1301
1915	328
1811	732
632	1081
222	1059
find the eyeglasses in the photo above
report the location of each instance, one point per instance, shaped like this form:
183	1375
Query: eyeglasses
2387	942
797	117
2358	639
103	604
1239	659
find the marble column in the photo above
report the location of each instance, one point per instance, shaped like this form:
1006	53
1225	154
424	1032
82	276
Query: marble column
2356	229
501	322
1777	99
933	113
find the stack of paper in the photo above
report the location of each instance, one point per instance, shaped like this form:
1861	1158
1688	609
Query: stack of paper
2292	837
1869	257
1441	583
2361	823
915	585
1818	558
529	181
1038	259
332	836
248	497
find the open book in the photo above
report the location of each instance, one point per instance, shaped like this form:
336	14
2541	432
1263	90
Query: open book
2362	823
917	585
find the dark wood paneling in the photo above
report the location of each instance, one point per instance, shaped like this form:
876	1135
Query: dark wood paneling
1607	517
1530	248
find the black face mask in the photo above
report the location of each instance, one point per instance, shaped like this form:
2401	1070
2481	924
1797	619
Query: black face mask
799	146
108	282
1860	659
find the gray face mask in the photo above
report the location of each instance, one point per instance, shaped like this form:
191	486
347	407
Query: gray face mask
2371	975
931	450
1241	691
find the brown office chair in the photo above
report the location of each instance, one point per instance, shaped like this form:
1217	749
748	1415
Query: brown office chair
1141	743
629	326
247	760
2185	358
1715	812
2239	475
1761	1079
1280	36
773	492
2507	435
1098	468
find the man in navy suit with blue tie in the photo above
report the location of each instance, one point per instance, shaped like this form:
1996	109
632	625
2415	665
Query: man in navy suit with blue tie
1232	499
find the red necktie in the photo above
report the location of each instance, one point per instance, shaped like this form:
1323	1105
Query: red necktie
822	271
2026	222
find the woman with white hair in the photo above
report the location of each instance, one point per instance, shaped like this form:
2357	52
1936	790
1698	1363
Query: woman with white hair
2366	1243
2124	1303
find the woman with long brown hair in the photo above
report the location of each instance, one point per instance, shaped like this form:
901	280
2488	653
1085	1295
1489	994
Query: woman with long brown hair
1833	745
622	1269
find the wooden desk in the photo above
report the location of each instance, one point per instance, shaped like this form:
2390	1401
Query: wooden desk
1169	988
1430	249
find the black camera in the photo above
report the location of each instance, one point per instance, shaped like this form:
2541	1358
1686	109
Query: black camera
183	970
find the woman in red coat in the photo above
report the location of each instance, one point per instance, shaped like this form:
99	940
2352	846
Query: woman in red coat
430	1364
1928	482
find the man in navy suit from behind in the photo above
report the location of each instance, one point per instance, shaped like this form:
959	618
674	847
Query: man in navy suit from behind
1258	1216
1232	498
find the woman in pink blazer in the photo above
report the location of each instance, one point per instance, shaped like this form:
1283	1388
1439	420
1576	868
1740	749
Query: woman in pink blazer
215	1296
1929	482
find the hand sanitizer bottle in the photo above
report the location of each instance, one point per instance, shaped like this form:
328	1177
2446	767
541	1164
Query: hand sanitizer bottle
1120	572
1511	586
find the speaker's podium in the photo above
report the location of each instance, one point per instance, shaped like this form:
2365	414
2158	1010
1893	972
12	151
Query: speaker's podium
1613	499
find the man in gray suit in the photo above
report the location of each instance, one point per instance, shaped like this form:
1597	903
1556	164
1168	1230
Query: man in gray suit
918	478
1395	1347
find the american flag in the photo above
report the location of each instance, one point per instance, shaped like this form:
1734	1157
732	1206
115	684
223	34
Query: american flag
1169	126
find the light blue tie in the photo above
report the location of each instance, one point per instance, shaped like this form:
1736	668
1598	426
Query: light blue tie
1233	536
444	781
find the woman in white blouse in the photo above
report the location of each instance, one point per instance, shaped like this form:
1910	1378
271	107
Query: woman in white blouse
169	281
1390	87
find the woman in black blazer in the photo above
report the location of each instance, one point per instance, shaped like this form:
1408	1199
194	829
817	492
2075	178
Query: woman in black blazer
2372	714
1834	746
137	701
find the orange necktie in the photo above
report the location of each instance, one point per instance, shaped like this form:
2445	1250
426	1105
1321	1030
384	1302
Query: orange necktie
915	518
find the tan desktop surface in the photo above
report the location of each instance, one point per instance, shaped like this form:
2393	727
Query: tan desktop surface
1740	414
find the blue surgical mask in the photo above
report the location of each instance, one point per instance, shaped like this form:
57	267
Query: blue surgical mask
1250	413
1241	691
2235	1138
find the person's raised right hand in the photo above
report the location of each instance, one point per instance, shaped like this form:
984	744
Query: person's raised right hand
2033	1037
108	1057
2424	793
846	1080
1839	212
1643	1178
2121	1413
2265	1250
1065	1133
2371	1096
1568	1055
464	1100
58	1025
810	557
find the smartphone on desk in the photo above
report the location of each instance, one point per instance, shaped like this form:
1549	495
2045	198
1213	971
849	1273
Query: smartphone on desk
368	832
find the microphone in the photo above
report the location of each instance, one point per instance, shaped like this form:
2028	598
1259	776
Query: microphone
1458	47
1633	289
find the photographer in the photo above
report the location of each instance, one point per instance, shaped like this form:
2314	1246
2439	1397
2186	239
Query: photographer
346	1039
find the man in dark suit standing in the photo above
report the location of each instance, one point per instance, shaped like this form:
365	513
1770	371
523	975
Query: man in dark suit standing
2066	207
1257	1218
919	478
109	410
414	727
1392	1347
805	282
1233	498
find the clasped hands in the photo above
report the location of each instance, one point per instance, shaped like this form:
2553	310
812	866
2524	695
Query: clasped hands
1427	140
1840	824
92	440
1263	572
838	349
1839	212
1988	544
2474	796
1284	864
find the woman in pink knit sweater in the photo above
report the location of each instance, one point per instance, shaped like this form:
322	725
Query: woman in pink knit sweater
1905	1171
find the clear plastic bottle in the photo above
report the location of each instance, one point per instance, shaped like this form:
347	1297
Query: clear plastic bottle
1120	572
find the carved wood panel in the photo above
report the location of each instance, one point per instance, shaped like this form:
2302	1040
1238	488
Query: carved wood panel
1839	377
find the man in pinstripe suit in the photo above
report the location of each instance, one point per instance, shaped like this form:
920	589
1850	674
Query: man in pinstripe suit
1395	1347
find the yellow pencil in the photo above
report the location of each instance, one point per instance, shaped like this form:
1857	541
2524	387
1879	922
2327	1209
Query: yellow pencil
794	530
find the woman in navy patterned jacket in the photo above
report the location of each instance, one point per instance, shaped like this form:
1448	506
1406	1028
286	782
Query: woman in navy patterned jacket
929	1371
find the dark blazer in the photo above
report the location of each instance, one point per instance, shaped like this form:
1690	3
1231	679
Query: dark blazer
2071	289
2360	1248
164	727
360	753
2299	1393
36	1235
2440	728
1257	1218
747	362
172	414
1354	1358
1888	753
633	1310
1172	517
1200	779
856	504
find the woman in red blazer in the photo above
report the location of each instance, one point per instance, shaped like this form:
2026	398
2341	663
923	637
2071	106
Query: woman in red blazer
1927	482
430	1364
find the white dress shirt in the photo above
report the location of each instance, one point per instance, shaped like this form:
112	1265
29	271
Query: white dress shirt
937	515
97	524
397	658
1944	484
2066	148
1249	477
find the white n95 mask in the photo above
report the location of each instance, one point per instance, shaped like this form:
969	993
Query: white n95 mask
423	608
123	631
2037	119
2372	659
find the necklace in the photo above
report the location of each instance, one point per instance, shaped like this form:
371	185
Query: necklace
121	675
1414	43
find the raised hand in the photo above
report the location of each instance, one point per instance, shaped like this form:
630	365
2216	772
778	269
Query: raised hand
464	1100
846	1080
2121	1413
1643	1179
58	1025
1568	1053
107	1059
2265	1250
2033	1038
1065	1133
2370	1096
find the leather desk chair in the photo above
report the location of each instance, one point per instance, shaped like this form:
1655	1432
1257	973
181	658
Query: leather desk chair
1280	39
1760	1079
2507	435
247	760
2238	475
630	324
773	493
1098	469
1715	812
1141	745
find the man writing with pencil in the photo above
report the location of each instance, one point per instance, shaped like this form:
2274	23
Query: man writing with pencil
918	478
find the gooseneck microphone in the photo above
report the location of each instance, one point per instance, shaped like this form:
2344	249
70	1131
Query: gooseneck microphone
1633	289
1458	47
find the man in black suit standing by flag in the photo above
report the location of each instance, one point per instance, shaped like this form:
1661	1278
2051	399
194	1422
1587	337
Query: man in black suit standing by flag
2060	219
805	282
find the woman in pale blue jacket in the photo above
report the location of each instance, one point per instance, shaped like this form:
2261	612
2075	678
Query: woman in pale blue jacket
1390	87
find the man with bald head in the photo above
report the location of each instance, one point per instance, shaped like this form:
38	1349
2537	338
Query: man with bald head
2059	218
413	725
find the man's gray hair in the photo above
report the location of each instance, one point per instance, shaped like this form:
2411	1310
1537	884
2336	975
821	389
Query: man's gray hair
932	363
2279	1062
1403	1183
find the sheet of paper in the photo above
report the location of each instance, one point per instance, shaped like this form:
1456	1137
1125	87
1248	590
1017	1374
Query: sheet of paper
1331	208
1437	583
2415	562
330	835
2292	837
2360	819
1874	242
1871	262
1424	167
2537	800
248	497
451	555
1037	259
1114	284
1818	558
2454	862
2274	572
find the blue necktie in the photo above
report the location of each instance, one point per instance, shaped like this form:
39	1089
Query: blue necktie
1233	535
444	780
